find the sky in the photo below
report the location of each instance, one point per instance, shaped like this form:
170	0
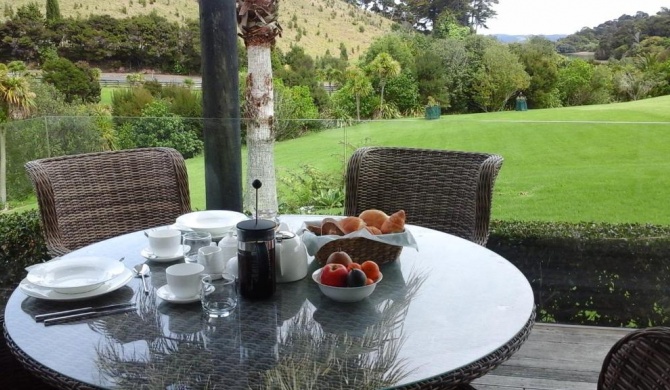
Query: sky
544	17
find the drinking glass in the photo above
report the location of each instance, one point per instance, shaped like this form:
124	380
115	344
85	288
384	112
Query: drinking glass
218	294
193	241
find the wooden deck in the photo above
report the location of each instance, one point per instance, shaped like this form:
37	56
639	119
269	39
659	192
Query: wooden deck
555	357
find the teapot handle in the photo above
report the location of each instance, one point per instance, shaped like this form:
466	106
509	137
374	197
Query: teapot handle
278	257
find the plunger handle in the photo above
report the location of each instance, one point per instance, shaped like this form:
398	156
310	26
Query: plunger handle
256	184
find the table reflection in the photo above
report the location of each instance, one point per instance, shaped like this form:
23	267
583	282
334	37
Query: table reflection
311	341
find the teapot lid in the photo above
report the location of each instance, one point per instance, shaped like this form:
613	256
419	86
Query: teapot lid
256	230
285	235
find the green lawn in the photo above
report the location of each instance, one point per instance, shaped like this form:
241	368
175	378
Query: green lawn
593	163
106	95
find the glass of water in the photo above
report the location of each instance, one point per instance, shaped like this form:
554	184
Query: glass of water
193	241
218	294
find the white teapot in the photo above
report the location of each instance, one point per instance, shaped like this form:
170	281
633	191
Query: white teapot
291	261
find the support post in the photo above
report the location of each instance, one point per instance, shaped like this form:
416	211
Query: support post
221	107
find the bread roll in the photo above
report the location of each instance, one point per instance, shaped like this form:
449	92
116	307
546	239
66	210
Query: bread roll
374	230
395	223
351	224
330	226
373	217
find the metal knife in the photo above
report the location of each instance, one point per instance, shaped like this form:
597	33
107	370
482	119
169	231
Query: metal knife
86	315
42	317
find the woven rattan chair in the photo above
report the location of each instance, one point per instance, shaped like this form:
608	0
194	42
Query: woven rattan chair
640	360
90	197
444	190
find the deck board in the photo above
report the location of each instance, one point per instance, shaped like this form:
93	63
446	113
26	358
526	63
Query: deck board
555	357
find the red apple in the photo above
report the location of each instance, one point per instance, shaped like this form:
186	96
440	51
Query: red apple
334	275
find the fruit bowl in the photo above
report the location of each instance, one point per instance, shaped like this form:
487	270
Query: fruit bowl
345	294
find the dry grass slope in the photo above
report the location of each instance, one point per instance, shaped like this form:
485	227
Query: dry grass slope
315	25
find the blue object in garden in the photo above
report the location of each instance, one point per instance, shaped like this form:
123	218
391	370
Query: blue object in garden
521	104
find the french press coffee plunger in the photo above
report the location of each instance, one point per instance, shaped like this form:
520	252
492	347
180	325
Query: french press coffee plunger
256	255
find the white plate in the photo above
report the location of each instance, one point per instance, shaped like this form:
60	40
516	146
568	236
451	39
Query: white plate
216	222
166	294
46	293
147	254
76	274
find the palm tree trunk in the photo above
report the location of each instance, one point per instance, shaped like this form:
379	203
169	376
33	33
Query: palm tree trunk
358	107
260	131
381	99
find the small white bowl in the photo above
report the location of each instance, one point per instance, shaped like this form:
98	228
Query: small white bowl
345	294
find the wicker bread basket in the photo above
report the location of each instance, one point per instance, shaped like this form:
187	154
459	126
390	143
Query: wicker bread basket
360	249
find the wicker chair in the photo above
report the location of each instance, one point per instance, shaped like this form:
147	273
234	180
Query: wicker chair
444	190
90	197
640	360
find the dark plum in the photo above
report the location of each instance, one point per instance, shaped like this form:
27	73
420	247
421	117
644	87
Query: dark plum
356	278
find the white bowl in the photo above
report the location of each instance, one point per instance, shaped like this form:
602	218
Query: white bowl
345	294
215	222
75	275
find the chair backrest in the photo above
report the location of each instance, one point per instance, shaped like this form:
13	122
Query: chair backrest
90	197
640	360
445	190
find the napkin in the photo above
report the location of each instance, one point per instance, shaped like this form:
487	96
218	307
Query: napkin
313	242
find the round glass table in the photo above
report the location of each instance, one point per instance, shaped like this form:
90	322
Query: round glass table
443	315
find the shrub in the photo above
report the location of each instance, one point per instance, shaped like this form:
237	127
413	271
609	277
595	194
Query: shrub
295	112
311	189
130	102
159	127
21	244
591	273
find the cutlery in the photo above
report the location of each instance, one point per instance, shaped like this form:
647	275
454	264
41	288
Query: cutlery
141	270
86	315
42	317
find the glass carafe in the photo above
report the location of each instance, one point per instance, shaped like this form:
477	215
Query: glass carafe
256	258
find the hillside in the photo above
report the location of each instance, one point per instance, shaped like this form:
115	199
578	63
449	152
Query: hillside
315	25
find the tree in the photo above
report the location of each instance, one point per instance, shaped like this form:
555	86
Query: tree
16	101
359	85
299	69
498	78
426	12
385	67
480	12
53	11
259	28
160	127
540	60
76	81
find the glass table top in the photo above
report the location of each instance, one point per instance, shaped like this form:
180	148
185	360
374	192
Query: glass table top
438	308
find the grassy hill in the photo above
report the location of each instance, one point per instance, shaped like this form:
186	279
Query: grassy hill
315	25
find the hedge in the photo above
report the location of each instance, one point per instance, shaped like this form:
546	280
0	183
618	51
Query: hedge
21	244
591	273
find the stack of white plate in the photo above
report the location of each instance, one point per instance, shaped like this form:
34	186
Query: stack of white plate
215	222
75	278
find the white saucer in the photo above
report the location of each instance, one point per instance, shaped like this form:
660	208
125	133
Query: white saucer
46	293
166	294
148	254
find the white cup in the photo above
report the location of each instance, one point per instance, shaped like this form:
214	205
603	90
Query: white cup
211	257
164	242
184	279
